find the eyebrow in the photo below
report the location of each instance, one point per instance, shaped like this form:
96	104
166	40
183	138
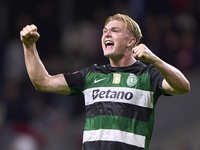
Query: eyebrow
111	28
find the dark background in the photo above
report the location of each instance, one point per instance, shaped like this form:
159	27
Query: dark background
70	33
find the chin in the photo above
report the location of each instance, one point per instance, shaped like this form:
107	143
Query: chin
107	54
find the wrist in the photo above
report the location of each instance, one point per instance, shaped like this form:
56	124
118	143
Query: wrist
155	60
28	46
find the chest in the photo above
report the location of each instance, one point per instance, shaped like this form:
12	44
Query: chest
118	87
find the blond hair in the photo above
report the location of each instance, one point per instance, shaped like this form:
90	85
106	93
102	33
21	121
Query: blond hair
130	24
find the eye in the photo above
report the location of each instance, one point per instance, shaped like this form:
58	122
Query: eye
104	31
115	30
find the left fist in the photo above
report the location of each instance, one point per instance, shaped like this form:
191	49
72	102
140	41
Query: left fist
143	53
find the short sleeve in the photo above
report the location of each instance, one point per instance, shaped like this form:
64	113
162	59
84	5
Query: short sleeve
156	82
76	80
156	78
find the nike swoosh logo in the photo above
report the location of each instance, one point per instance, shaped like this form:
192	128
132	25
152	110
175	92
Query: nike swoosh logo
96	81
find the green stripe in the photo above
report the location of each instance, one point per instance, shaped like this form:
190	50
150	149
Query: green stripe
117	123
151	125
143	82
75	91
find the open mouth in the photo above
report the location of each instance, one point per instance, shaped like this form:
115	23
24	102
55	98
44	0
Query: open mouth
109	44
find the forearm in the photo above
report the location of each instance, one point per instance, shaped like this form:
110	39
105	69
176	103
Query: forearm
35	68
172	75
174	81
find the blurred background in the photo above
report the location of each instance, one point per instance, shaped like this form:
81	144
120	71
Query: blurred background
70	33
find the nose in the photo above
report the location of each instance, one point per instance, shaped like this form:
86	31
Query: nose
108	33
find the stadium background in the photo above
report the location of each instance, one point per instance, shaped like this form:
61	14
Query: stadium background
70	40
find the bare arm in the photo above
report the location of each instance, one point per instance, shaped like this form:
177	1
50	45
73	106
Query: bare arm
174	81
38	75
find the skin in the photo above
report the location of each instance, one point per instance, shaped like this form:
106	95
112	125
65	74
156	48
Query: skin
120	55
38	75
174	81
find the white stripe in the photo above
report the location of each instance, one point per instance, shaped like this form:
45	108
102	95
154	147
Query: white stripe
115	136
140	97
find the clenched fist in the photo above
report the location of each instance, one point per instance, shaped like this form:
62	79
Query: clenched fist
29	35
144	53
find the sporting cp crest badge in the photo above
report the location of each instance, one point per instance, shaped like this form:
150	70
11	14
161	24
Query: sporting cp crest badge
132	80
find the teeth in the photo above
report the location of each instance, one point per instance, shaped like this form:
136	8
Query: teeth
109	42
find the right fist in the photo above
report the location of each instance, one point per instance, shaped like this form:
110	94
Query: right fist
29	35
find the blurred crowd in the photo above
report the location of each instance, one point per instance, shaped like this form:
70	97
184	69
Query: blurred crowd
70	32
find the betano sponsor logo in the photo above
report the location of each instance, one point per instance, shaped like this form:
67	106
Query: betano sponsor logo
97	93
119	94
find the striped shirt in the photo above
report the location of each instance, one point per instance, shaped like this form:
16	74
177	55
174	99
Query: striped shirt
119	103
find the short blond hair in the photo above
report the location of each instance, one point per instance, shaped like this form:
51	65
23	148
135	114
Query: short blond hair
130	24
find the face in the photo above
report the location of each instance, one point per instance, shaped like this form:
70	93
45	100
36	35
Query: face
115	39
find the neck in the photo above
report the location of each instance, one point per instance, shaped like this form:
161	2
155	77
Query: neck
123	62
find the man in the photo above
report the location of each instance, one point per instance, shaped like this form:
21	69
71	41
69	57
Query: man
119	97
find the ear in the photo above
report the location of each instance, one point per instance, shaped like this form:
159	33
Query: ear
131	42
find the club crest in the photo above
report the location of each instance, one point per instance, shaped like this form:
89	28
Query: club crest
132	80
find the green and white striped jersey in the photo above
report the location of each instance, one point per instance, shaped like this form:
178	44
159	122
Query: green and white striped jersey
119	104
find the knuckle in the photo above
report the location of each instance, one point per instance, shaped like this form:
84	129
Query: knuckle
33	26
